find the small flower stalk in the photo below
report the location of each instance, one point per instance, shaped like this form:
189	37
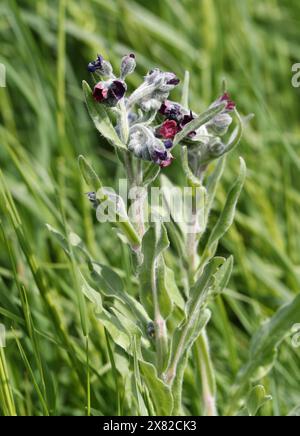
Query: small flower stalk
177	274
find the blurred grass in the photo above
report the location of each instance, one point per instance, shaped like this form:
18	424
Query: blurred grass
45	46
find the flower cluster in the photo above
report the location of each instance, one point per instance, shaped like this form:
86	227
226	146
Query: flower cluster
153	121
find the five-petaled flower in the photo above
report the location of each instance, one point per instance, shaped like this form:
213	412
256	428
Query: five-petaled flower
168	129
109	92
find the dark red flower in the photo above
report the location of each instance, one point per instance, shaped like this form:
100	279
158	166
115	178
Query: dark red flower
186	119
100	92
168	129
230	103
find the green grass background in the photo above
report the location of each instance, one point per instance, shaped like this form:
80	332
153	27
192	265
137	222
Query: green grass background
45	46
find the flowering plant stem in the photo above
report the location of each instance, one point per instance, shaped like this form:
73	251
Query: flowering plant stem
148	128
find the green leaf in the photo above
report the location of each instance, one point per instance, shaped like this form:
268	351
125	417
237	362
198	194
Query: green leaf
269	337
174	292
227	216
150	174
193	181
89	174
59	237
198	122
195	320
222	277
165	302
101	118
111	285
212	184
236	135
92	295
257	399
152	290
264	346
160	392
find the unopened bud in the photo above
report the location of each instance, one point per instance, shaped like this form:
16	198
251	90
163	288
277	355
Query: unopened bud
128	65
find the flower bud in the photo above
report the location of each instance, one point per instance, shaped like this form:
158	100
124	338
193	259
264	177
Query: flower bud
100	66
93	199
144	145
128	65
216	147
220	124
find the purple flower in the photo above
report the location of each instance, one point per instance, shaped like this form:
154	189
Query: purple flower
168	143
117	90
187	119
109	92
100	66
160	155
172	111
174	81
162	158
96	65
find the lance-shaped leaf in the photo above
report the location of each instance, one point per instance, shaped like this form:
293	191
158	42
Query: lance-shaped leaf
160	392
196	318
227	216
264	346
113	210
212	185
198	122
110	285
150	174
111	207
193	181
101	118
154	243
89	174
236	136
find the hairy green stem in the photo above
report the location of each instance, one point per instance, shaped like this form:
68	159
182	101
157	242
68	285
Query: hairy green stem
207	375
